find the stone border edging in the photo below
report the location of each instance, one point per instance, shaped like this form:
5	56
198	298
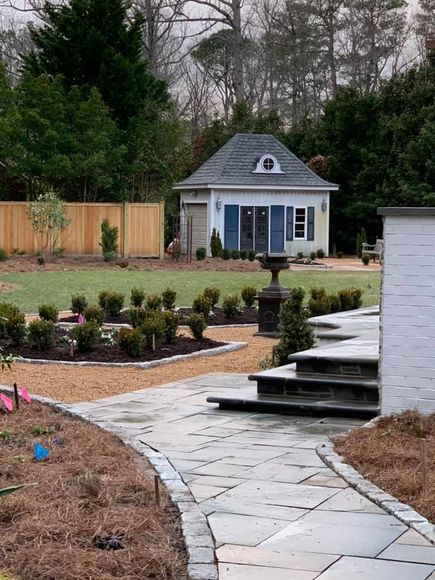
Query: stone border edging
197	535
228	347
403	512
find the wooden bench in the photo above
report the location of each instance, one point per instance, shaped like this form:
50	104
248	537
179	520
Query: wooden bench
374	250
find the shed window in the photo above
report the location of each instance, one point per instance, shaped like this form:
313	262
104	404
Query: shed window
268	163
300	223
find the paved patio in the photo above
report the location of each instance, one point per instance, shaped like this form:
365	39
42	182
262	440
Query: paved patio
275	510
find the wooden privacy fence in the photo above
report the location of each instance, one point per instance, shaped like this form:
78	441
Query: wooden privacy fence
141	228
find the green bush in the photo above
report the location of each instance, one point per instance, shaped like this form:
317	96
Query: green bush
231	305
109	241
154	325
365	259
197	325
295	333
212	295
78	303
154	302
320	303
137	316
111	302
226	254
137	297
49	312
320	254
251	255
130	341
235	254
248	294
169	297
171	325
6	311
243	254
16	328
350	298
201	253
300	255
215	244
86	335
3	255
94	314
41	333
313	256
361	238
201	306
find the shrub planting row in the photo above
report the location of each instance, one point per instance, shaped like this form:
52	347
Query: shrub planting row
321	303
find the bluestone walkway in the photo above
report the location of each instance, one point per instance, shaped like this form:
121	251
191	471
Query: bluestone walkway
275	510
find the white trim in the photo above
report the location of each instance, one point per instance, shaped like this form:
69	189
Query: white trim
304	239
267	187
275	169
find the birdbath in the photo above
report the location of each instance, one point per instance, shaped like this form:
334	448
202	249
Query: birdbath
271	297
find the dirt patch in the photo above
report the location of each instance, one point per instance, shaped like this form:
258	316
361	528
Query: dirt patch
110	353
390	455
73	384
90	489
6	287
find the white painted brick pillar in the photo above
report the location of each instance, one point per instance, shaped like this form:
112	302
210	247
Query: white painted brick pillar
407	332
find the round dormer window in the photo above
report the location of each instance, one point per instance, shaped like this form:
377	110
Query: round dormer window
268	163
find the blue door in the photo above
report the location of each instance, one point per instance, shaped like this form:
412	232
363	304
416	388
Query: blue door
231	230
277	228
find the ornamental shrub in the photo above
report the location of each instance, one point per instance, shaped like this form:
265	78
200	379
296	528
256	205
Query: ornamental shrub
171	325
169	297
49	312
350	298
111	302
320	303
86	335
201	253
16	328
109	241
41	333
78	303
300	255
137	316
154	302
235	254
313	256
215	244
320	254
212	295
232	305
201	306
3	255
130	341
6	311
243	254
197	325
365	259
226	254
295	333
137	297
249	293
335	303
251	255
94	313
154	325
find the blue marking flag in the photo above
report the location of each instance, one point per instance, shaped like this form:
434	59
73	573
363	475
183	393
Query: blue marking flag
40	452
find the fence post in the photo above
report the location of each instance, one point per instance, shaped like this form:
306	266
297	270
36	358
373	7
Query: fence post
162	230
126	240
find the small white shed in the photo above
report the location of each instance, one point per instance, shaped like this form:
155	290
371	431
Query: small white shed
259	196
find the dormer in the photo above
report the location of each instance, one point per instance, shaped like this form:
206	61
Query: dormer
268	164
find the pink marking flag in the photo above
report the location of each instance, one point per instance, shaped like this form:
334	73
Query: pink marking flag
7	402
25	395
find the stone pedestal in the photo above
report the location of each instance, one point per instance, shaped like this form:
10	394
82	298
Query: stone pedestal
271	297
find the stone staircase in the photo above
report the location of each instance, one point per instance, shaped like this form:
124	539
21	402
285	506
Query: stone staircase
338	378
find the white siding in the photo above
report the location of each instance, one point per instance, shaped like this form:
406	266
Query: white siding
407	363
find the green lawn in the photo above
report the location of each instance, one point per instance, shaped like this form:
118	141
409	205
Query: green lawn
35	288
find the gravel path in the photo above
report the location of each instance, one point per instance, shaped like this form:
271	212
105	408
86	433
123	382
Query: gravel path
73	384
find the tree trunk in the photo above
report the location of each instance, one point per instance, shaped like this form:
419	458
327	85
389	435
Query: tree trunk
239	81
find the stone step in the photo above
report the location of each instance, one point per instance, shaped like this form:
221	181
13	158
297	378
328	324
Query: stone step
287	382
337	366
270	404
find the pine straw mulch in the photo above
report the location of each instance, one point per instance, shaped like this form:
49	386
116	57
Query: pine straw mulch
389	454
91	485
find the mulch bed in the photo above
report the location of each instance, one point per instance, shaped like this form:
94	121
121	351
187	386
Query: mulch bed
106	353
218	318
390	455
90	489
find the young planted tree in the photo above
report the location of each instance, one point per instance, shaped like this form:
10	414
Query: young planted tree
48	218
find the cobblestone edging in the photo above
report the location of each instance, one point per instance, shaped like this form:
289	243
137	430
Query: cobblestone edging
228	347
197	535
389	503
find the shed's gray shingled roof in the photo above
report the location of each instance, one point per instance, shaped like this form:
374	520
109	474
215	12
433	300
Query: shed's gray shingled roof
234	162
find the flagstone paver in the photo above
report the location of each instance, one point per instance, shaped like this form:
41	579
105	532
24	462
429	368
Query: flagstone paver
275	510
